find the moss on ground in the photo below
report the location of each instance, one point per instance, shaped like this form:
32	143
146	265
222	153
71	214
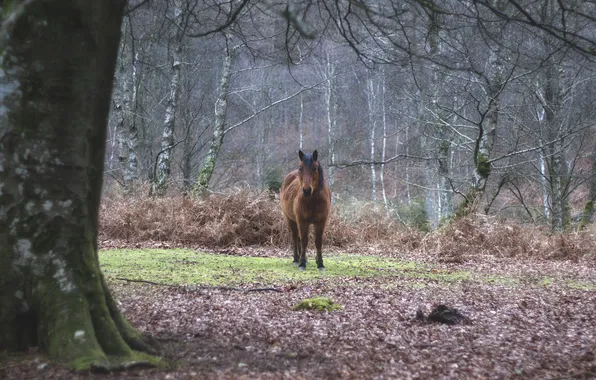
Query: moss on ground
317	304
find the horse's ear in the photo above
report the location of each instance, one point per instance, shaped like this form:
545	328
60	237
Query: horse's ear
315	154
301	154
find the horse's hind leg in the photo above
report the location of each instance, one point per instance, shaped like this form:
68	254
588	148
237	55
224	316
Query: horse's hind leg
295	239
303	230
319	229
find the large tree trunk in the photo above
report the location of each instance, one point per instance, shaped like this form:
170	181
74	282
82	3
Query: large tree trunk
57	70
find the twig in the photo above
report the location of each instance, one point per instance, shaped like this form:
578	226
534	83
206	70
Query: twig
146	282
202	286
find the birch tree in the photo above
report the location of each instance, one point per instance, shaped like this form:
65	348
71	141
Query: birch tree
164	156
372	93
219	123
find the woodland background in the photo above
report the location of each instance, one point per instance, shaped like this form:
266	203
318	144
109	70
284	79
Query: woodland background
418	107
457	138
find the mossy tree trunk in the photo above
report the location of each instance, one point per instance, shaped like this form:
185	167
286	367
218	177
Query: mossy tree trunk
57	69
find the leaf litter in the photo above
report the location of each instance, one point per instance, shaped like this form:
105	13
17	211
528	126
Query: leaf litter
525	329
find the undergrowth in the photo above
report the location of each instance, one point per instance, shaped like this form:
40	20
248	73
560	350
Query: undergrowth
247	218
239	219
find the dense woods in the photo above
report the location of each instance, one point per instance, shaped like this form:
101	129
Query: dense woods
428	106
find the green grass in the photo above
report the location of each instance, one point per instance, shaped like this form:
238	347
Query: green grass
191	267
183	266
581	285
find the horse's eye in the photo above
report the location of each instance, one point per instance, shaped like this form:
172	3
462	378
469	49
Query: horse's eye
315	169
299	169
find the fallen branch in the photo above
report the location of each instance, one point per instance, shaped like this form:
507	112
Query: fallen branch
202	286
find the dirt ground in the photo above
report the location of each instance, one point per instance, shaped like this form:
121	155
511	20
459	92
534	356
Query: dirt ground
540	326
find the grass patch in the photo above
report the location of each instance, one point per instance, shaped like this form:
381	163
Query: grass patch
183	266
578	285
501	280
191	267
317	304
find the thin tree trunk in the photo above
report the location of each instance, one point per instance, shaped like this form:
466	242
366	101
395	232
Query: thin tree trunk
551	102
167	138
187	149
371	136
430	194
300	125
329	103
131	170
384	148
221	106
408	193
589	206
486	133
52	292
445	195
121	99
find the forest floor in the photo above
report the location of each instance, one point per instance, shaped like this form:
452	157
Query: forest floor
230	315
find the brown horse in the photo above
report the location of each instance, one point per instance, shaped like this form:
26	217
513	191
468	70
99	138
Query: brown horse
306	200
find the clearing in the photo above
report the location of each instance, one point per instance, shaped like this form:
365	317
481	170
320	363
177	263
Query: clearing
229	316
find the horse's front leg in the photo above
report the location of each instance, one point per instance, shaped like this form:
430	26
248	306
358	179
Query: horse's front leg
296	250
319	230
303	229
295	240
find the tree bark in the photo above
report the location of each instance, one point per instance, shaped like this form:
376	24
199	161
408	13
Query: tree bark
57	69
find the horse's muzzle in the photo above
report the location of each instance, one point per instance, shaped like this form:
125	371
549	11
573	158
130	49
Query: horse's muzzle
307	192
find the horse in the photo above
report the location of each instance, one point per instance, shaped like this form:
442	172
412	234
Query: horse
306	200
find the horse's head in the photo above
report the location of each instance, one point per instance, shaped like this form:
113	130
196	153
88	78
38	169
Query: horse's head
310	172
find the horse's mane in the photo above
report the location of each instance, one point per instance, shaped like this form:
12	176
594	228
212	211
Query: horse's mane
321	177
